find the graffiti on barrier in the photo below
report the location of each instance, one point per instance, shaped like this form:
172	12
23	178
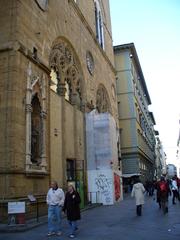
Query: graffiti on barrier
104	186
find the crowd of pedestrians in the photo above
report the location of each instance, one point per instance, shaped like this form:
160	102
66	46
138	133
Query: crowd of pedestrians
163	188
68	203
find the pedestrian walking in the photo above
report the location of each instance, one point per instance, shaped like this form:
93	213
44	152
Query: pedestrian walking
158	200
71	206
55	201
174	188
178	182
163	192
138	192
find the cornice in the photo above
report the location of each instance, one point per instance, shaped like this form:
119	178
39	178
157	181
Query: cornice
18	46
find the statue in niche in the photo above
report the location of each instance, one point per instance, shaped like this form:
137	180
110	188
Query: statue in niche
36	131
35	145
102	102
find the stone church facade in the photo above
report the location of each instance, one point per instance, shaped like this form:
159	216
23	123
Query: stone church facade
56	64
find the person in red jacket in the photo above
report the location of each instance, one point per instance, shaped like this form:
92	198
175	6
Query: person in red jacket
163	192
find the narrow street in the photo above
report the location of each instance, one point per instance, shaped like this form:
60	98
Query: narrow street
116	222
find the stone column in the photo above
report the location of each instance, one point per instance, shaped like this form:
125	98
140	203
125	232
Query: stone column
43	142
43	119
28	118
61	89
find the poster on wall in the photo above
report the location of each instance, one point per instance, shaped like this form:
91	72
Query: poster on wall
16	207
16	213
117	187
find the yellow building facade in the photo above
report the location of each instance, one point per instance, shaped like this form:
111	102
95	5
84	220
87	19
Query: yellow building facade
136	122
56	64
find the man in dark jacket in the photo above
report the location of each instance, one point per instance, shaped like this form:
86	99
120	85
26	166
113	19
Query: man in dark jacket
71	205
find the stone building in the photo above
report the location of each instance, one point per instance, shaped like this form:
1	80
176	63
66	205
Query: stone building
56	64
171	170
160	158
178	153
136	122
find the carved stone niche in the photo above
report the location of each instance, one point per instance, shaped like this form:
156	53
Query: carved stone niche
102	100
35	123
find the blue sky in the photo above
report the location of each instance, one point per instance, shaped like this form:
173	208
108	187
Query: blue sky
154	27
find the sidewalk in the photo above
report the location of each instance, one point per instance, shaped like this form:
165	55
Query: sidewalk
117	222
33	223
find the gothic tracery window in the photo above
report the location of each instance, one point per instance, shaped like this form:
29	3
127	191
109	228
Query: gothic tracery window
54	81
68	75
68	89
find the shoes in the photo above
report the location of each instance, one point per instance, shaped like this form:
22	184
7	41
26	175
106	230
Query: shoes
59	233
50	234
72	236
166	210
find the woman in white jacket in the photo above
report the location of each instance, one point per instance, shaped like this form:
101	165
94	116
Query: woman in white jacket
174	188
138	192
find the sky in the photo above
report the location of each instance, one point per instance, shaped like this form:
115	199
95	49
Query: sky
154	27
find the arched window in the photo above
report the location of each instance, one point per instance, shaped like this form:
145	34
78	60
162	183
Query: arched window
66	74
68	90
54	81
99	23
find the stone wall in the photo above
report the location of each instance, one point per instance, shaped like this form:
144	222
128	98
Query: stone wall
27	36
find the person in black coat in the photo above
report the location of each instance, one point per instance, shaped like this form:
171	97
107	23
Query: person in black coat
71	206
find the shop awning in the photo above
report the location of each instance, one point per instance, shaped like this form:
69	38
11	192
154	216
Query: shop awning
127	175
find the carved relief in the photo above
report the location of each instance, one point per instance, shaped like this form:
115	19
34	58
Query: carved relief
102	100
61	57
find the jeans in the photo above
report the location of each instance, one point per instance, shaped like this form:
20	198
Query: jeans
139	210
164	205
54	218
175	195
73	225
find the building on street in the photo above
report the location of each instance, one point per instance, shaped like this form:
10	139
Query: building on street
160	162
178	152
171	170
136	122
56	65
